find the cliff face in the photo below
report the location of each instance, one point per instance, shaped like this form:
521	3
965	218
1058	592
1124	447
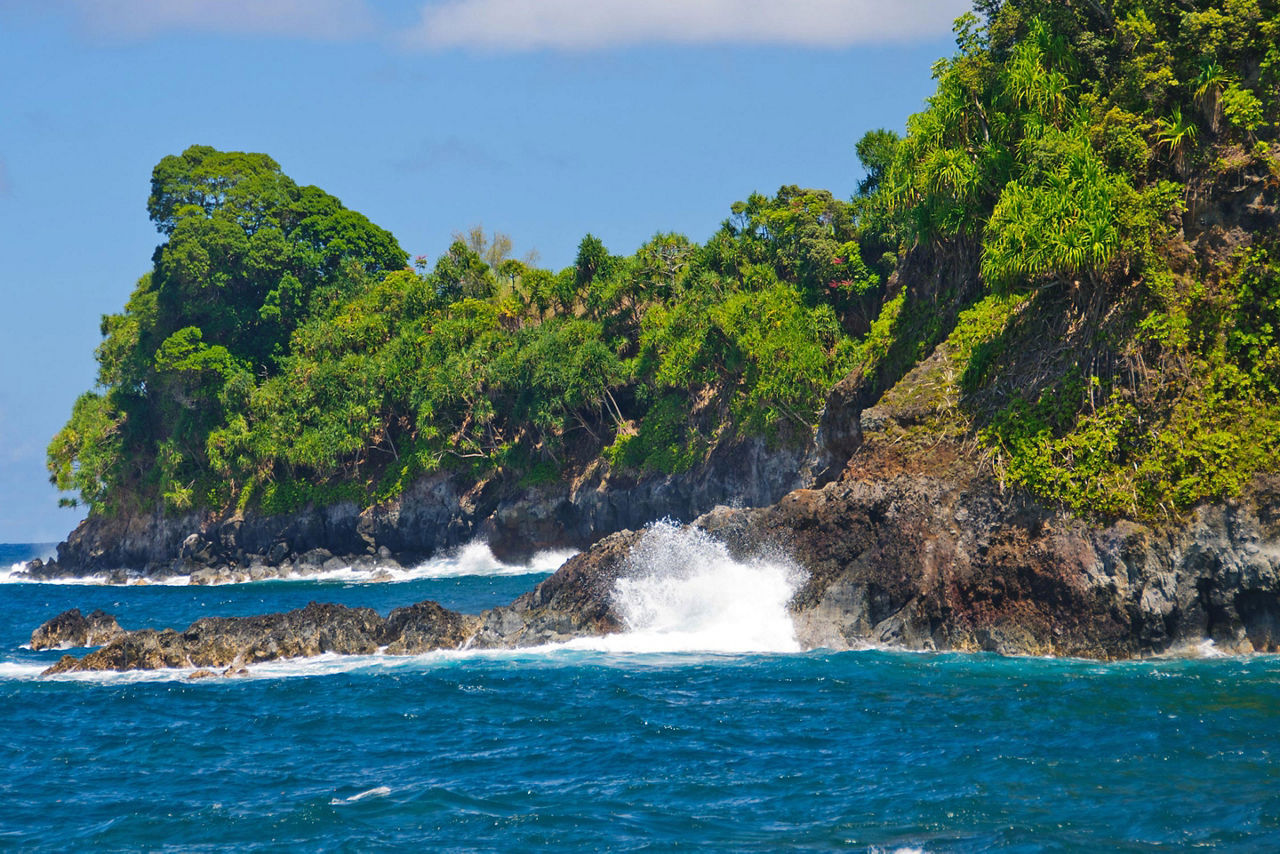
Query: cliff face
947	562
435	513
918	545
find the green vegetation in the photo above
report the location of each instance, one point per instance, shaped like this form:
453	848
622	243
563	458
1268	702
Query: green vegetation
1086	212
1086	146
281	352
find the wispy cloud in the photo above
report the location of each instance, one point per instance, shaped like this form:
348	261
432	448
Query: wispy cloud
324	20
595	24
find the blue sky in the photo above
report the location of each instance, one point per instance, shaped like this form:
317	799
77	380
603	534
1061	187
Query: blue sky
544	119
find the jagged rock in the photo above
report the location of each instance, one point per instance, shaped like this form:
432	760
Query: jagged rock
426	626
314	558
71	628
146	649
234	642
277	553
575	601
202	674
948	561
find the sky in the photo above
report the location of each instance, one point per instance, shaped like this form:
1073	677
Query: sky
542	119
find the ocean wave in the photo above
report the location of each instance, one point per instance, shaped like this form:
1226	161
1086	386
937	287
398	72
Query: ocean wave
333	664
375	792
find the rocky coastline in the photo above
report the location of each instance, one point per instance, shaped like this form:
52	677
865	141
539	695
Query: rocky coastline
915	545
903	534
433	515
923	563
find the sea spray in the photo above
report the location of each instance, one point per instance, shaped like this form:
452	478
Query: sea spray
683	591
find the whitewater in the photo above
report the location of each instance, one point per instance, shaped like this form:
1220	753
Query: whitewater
701	724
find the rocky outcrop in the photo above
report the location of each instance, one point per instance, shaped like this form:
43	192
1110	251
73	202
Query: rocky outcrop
434	514
576	601
73	629
905	537
425	626
952	564
917	545
231	644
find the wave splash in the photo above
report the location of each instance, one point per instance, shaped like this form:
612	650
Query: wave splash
683	592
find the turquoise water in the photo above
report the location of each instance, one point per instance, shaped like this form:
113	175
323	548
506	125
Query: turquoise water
588	750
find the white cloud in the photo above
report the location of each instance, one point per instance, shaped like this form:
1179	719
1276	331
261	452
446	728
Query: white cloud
595	24
326	20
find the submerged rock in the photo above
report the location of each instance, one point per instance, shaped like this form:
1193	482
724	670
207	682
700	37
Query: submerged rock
71	628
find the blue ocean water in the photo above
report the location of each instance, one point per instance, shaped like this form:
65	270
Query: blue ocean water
619	748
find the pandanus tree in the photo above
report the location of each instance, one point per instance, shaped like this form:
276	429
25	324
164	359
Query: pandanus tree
1210	82
1177	135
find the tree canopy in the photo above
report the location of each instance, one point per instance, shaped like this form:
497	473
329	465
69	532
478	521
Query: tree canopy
280	350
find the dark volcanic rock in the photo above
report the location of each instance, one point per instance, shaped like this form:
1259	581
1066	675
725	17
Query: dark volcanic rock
435	513
235	642
573	602
217	642
71	628
426	626
147	649
949	560
576	601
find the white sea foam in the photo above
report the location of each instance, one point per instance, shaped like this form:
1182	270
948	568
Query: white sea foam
20	671
1204	648
328	664
683	592
473	559
16	574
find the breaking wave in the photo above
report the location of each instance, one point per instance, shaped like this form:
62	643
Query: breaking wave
684	592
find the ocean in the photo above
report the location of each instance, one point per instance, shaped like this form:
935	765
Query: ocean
700	728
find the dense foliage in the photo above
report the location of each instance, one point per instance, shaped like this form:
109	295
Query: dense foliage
281	351
1118	161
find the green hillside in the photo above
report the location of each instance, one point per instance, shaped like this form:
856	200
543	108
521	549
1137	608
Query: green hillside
1103	175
